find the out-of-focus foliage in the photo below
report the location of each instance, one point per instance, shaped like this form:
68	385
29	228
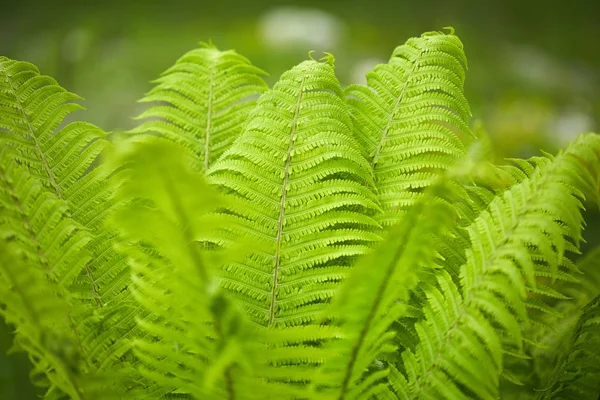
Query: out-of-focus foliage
533	76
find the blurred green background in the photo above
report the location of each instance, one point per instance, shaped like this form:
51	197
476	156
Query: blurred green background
533	74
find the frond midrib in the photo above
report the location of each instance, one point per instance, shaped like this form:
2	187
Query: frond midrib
208	118
32	134
282	202
395	108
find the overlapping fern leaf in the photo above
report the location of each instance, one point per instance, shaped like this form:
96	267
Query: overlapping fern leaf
32	109
373	298
202	102
410	118
43	253
302	192
195	341
537	219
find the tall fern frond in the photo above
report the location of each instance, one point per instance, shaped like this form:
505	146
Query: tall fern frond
195	340
43	253
374	296
410	118
32	109
300	189
202	102
537	218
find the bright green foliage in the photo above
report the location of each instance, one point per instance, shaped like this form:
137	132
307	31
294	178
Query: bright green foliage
203	101
193	323
525	230
41	256
408	117
375	295
32	109
311	243
43	253
302	191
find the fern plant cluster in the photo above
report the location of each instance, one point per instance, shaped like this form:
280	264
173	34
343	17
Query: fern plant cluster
304	241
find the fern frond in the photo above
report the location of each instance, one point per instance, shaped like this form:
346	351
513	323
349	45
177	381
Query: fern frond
195	340
32	109
536	217
301	191
373	297
41	316
202	102
578	374
410	117
43	253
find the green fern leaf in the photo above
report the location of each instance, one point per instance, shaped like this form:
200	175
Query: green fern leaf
43	252
301	191
374	296
534	218
33	107
409	117
202	102
195	341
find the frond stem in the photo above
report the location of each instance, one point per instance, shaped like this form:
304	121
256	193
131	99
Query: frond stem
282	202
394	111
35	140
207	138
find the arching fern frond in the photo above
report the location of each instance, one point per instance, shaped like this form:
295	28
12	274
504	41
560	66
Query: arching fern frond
410	117
202	102
300	189
374	296
43	253
32	109
195	340
536	218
